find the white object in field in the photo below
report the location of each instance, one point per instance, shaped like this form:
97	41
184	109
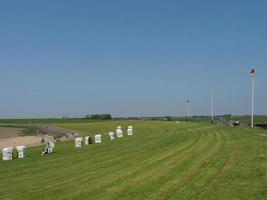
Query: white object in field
48	148
7	153
118	127
98	138
119	132
111	135
86	140
51	146
130	130
21	151
78	142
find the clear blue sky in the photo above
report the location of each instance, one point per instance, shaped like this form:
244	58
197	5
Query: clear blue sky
131	58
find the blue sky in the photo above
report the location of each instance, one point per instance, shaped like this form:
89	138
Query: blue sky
131	58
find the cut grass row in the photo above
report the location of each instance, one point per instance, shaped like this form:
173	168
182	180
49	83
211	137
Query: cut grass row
163	160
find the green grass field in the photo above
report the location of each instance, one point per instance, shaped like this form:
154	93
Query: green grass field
162	160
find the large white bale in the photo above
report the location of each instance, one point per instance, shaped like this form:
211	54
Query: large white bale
78	142
130	130
119	133
111	135
49	148
21	151
98	138
7	153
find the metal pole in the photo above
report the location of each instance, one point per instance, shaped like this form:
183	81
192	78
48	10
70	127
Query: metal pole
188	110
252	101
252	74
212	107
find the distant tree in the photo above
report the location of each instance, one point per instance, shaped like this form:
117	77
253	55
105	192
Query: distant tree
168	118
99	116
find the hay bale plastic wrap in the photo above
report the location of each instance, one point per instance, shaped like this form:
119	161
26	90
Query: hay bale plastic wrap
111	135
7	153
98	138
86	140
130	130
21	151
78	142
49	148
119	132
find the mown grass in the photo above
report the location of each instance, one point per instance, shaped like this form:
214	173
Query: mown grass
163	160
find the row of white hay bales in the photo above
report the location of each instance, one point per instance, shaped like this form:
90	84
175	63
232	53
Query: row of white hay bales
10	153
98	138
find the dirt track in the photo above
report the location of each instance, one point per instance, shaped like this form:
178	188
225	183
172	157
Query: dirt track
11	137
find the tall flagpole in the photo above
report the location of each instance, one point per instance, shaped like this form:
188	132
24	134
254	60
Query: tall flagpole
188	109
212	107
252	74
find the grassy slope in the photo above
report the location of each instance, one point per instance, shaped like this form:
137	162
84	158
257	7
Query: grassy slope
163	160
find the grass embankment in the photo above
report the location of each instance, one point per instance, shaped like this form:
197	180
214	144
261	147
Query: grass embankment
163	160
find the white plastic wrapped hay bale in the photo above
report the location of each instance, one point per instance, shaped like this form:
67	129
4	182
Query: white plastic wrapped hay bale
98	138
111	135
21	151
119	132
51	146
78	142
7	153
130	130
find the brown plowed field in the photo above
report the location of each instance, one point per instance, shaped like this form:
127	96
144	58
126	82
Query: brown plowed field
10	137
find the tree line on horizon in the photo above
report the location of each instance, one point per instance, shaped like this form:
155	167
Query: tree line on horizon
99	116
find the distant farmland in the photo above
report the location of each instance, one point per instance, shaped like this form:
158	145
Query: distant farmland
245	120
162	160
